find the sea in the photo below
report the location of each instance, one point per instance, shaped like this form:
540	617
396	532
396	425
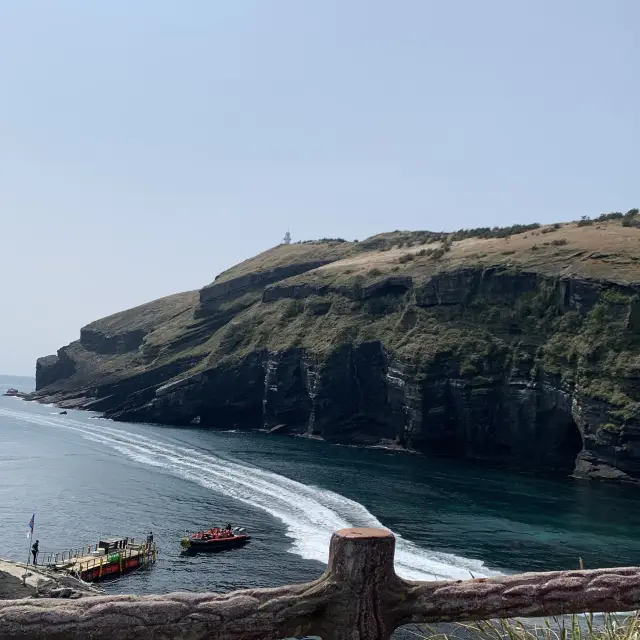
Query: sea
86	478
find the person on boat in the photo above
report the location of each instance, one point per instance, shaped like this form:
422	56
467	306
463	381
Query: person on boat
34	551
150	537
228	526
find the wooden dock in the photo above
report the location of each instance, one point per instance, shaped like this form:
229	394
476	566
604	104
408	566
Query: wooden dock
118	556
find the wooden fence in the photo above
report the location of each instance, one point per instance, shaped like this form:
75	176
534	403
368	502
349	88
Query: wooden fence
359	597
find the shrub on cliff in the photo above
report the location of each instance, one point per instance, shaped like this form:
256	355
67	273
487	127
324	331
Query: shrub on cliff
630	219
323	240
386	241
406	257
493	232
614	215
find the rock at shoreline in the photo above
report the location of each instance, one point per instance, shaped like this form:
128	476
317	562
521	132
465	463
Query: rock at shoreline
14	393
11	587
40	583
517	346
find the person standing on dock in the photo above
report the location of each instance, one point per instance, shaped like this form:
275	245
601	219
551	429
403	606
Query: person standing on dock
34	551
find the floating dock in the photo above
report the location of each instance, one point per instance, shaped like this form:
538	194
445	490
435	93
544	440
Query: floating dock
111	557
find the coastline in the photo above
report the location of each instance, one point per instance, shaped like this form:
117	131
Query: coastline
31	396
388	446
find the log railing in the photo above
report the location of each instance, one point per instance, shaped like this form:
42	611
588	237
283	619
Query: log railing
359	597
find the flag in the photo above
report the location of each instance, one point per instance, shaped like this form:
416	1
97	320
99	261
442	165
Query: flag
32	523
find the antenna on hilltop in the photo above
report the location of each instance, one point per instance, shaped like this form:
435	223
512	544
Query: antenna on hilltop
287	238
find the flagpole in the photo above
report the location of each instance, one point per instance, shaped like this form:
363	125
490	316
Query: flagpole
30	538
26	568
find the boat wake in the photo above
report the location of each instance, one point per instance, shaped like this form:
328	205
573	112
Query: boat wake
310	514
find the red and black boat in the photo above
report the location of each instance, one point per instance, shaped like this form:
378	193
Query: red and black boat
216	539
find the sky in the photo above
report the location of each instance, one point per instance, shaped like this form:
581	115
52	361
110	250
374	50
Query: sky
146	146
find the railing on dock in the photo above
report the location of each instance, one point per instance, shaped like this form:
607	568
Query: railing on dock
82	560
359	597
51	558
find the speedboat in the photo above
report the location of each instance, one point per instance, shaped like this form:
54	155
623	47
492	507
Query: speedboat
216	539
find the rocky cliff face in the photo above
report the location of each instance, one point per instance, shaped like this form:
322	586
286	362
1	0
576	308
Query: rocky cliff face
522	350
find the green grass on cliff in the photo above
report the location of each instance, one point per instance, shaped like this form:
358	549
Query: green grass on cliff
284	255
146	315
599	353
576	627
319	324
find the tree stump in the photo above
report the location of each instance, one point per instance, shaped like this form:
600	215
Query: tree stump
361	565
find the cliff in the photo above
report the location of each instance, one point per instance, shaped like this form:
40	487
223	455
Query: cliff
520	346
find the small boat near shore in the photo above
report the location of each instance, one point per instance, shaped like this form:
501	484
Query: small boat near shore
215	539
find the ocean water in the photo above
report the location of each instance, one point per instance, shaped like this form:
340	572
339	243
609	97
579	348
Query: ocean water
87	478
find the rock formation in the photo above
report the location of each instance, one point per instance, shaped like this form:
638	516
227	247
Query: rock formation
18	581
518	346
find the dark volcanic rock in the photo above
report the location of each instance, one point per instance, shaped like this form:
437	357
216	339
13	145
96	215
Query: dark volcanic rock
117	343
50	369
362	395
11	587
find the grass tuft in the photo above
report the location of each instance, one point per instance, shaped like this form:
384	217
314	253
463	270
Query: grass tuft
575	627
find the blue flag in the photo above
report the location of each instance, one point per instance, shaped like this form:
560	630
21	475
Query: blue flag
32	523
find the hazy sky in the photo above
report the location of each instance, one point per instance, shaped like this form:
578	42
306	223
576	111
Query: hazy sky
145	146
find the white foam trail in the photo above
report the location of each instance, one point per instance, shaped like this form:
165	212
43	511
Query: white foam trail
311	514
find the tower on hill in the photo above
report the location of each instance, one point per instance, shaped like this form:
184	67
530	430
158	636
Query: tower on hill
287	238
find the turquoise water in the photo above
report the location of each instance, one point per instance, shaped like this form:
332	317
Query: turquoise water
86	478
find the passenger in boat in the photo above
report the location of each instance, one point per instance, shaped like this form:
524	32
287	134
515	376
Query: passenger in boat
34	551
150	537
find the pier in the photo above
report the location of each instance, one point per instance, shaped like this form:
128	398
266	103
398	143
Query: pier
109	558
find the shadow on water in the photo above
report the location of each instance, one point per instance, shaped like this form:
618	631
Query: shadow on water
194	551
